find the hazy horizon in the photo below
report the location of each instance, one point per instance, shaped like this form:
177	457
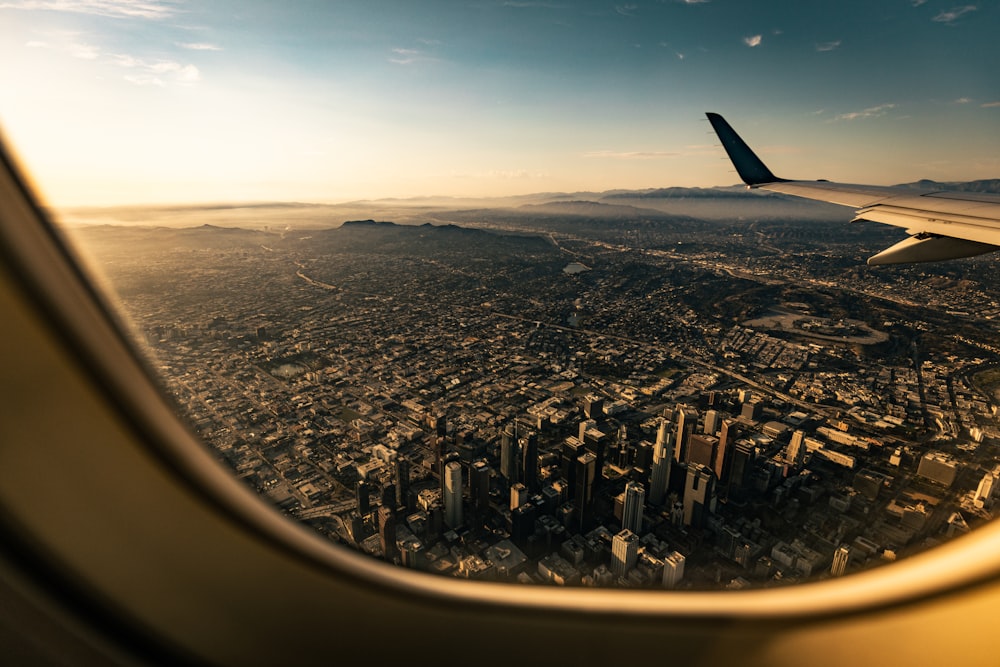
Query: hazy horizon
722	203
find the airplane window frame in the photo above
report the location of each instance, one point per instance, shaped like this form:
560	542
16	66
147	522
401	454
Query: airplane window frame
48	271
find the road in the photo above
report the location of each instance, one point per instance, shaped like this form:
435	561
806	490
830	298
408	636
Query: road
334	509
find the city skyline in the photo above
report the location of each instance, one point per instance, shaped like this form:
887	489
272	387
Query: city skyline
160	102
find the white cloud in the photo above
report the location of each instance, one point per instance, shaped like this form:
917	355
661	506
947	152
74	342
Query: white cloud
123	60
753	40
990	105
828	46
626	10
680	56
199	46
156	72
144	80
870	112
75	49
84	51
404	56
146	9
963	100
954	14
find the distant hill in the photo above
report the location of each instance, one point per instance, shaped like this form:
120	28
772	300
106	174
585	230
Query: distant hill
574	216
674	205
728	192
989	185
202	237
449	229
353	236
590	209
367	224
389	237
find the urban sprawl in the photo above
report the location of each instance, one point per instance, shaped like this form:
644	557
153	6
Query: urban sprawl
535	406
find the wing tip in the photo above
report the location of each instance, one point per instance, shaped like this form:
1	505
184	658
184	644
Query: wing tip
751	168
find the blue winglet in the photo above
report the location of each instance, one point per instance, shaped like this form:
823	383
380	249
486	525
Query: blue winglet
748	165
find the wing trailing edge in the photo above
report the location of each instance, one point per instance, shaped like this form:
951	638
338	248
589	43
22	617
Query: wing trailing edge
929	248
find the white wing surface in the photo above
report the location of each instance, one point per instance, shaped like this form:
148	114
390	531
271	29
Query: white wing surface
942	224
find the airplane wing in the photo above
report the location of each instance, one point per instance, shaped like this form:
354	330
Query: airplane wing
942	224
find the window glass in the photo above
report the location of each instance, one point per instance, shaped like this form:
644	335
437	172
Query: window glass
467	286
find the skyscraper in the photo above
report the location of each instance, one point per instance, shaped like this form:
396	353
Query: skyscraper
508	454
438	446
402	481
724	457
411	553
479	486
713	418
741	468
596	441
642	455
624	552
687	419
635	500
522	523
673	569
518	495
751	410
986	489
593	406
362	498
699	495
841	557
795	454
662	460
703	449
453	494
572	447
387	533
447	458
439	423
586	465
663	433
529	461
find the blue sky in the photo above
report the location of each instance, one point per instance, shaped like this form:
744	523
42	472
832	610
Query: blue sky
154	101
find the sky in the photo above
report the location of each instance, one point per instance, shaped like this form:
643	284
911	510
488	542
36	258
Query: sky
109	102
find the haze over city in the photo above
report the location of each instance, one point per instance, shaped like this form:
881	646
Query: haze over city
114	102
